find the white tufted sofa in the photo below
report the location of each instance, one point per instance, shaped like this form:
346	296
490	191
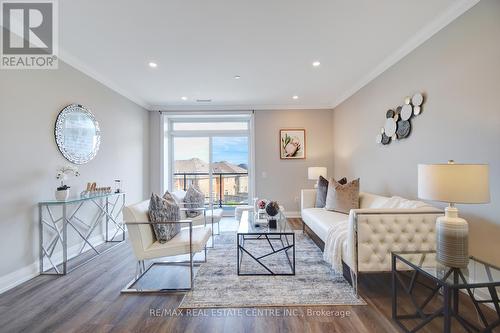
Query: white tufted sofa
373	232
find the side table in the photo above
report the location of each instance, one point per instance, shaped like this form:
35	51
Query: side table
407	267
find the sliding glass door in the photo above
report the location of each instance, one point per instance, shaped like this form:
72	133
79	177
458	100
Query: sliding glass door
230	170
212	153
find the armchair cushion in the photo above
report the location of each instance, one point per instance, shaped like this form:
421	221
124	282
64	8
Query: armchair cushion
179	244
161	210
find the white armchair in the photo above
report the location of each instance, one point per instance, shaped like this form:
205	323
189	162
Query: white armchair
190	240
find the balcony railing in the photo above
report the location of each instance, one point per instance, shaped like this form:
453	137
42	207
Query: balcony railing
236	194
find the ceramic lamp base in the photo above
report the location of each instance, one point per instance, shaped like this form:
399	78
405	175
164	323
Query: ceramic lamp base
452	236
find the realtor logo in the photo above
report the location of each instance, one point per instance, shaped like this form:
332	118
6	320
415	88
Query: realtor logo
29	35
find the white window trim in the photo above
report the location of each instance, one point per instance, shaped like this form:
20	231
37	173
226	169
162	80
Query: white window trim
205	117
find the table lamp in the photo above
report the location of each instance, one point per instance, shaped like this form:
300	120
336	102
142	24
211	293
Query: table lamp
313	173
453	183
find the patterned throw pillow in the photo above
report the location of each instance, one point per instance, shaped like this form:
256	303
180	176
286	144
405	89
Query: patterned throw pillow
342	198
194	199
322	191
161	210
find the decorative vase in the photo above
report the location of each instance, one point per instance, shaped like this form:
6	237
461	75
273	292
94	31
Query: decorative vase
62	195
452	241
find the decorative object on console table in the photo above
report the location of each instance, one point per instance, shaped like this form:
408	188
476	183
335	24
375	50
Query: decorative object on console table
453	183
313	173
272	209
292	144
62	192
118	186
92	191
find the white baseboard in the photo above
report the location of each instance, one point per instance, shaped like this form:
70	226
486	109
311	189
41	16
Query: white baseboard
13	279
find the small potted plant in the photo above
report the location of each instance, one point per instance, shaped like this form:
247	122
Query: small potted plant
62	192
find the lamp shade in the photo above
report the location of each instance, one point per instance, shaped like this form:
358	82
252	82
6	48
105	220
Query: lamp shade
313	173
454	183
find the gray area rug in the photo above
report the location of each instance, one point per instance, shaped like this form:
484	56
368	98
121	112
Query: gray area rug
315	283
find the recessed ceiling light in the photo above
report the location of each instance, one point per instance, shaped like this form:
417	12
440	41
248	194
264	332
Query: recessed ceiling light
153	64
184	98
295	97
316	63
237	77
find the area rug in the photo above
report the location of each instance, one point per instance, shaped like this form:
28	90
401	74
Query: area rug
315	283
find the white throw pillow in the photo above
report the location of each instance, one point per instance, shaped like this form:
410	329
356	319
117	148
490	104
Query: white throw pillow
396	202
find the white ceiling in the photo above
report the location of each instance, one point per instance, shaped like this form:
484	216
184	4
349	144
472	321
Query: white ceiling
201	45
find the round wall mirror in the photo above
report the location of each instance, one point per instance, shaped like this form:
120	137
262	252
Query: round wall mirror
77	134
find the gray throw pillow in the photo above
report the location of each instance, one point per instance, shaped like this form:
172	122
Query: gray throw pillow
161	210
194	199
322	191
342	198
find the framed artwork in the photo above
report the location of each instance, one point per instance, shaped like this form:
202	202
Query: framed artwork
292	144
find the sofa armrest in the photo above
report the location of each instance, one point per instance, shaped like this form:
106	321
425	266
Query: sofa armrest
374	233
307	199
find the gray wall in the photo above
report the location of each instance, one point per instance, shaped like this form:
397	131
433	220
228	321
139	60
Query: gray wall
459	71
285	178
29	103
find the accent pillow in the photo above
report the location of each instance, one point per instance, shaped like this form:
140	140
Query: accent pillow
179	196
322	190
402	203
161	210
194	199
342	198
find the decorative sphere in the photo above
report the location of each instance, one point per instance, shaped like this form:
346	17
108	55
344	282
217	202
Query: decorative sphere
272	208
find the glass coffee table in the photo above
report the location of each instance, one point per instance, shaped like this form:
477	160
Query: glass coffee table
480	281
272	250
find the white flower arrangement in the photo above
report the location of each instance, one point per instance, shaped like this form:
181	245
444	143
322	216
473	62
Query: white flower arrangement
63	174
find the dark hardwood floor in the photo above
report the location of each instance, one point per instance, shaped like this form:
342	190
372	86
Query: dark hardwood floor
89	300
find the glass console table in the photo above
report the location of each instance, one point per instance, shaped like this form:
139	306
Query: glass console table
53	231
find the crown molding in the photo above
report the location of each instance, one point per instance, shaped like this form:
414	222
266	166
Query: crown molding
458	8
87	70
215	107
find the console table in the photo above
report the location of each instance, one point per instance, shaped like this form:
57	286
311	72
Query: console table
407	267
54	231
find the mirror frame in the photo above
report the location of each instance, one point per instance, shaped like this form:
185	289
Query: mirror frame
59	133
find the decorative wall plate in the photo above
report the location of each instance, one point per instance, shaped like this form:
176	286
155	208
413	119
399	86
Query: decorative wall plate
406	112
386	139
404	128
398	121
417	99
390	127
